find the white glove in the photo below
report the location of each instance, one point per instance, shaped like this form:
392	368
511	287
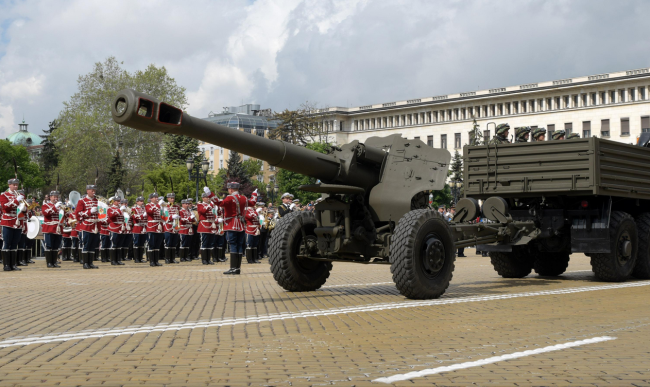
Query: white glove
175	216
93	210
292	206
58	205
255	192
219	220
20	197
207	190
192	216
123	208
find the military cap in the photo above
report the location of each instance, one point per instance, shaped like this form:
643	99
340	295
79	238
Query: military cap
260	204
153	195
296	200
558	133
13	181
233	185
55	193
502	128
125	201
538	132
572	136
91	186
20	191
184	201
205	195
171	195
286	195
139	199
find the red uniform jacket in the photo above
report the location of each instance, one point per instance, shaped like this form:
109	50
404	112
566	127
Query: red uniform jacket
116	222
252	221
103	227
174	209
25	219
233	207
154	221
207	219
9	205
186	222
51	223
86	221
139	219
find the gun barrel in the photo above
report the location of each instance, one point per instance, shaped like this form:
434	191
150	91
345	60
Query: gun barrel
140	111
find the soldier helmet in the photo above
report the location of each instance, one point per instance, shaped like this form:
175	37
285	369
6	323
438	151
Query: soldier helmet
502	128
521	132
572	136
153	195
538	132
139	199
91	186
171	195
13	181
233	185
558	133
286	195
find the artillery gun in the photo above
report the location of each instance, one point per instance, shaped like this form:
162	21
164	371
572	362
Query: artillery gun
375	207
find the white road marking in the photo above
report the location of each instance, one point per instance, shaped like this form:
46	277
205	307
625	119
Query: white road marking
29	340
368	284
490	360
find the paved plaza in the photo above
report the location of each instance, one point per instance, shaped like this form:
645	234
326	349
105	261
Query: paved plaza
189	325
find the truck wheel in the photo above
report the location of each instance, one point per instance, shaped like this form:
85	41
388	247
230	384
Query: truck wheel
422	255
511	265
642	267
551	264
617	265
292	273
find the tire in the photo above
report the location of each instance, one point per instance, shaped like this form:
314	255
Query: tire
418	233
617	265
511	265
642	266
551	264
289	271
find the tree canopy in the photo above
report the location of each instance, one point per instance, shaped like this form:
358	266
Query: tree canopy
303	126
29	172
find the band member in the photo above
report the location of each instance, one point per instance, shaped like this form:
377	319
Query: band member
116	227
22	245
207	227
154	230
219	251
252	233
66	231
171	235
87	223
139	218
186	219
195	244
105	237
127	248
52	225
11	227
74	237
233	222
287	206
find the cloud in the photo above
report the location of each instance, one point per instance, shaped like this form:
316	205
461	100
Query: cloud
7	122
280	53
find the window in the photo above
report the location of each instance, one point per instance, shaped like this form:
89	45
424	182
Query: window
260	178
621	95
603	98
221	151
625	127
586	129
430	141
645	124
642	93
486	136
584	99
557	103
271	167
604	128
457	144
523	106
443	141
515	108
568	128
549	132
566	102
211	164
549	104
575	101
632	95
220	164
612	96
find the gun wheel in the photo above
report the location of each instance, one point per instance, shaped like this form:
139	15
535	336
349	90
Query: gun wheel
551	264
516	264
290	272
422	255
619	263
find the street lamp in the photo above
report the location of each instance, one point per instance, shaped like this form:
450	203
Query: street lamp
456	186
200	172
272	191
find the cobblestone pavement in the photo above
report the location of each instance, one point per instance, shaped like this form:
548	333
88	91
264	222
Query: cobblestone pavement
187	324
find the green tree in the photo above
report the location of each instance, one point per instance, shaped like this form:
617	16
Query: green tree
252	168
29	172
87	137
177	149
115	175
456	167
290	181
49	158
303	126
442	197
475	135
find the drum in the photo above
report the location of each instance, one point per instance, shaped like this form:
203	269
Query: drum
34	230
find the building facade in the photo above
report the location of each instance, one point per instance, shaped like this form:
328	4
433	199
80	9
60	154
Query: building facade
614	105
32	142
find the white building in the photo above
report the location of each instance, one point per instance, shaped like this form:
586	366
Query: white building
613	105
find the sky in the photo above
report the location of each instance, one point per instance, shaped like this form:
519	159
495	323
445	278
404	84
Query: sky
281	53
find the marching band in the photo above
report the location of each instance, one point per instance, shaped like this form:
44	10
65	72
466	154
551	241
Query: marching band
91	228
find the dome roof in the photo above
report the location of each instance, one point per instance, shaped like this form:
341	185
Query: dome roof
24	138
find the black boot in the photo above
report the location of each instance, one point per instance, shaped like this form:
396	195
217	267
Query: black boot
256	255
171	254
127	253
19	258
96	256
220	254
235	264
167	259
249	255
115	256
14	260
137	255
104	254
84	260
6	260
65	254
151	257
205	257
22	257
29	256
75	254
182	254
91	259
157	257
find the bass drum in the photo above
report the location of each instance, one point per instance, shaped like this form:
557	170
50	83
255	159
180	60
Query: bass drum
34	230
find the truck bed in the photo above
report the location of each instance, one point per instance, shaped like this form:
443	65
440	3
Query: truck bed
591	166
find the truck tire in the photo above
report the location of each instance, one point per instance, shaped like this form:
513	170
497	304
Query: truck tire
290	272
617	265
642	265
422	255
551	264
511	265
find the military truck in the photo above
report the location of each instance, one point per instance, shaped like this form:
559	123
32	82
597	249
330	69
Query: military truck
553	198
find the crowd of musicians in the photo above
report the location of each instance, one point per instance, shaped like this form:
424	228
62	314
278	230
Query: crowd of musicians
162	229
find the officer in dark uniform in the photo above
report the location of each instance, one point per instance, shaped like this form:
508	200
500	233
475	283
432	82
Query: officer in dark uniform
287	205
